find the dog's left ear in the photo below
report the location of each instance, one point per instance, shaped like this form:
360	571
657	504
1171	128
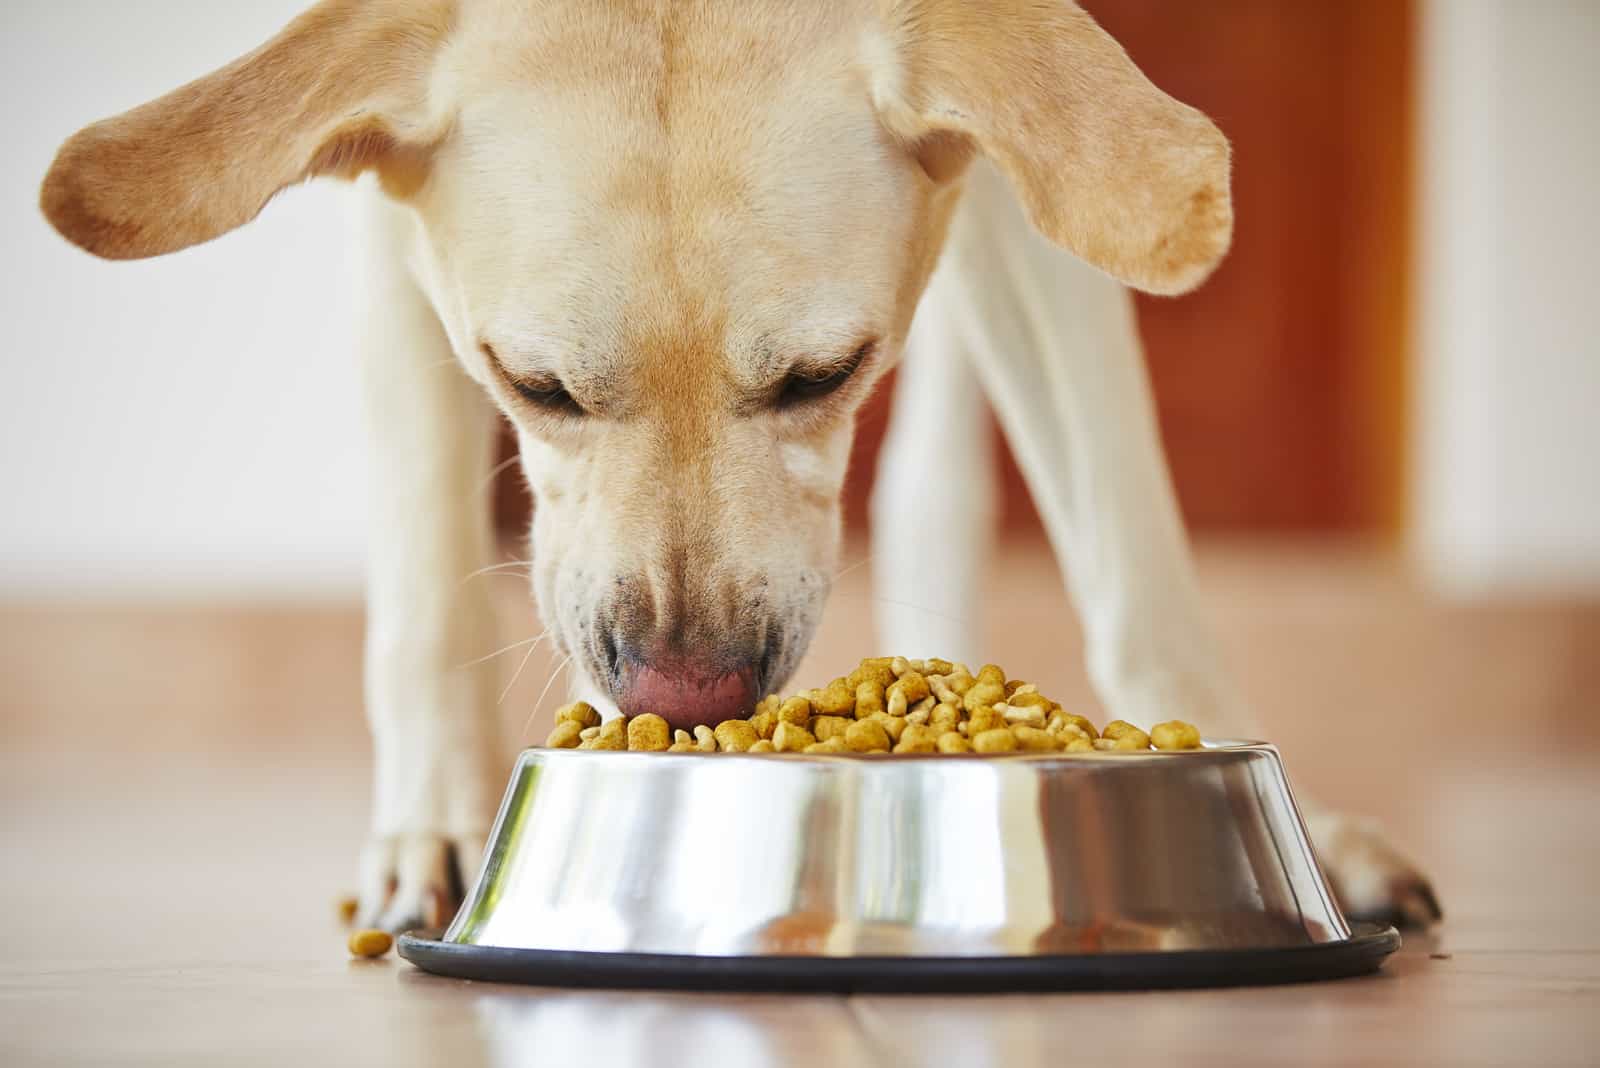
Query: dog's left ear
1106	164
341	90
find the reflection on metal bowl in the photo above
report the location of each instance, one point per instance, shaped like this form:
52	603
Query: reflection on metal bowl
812	862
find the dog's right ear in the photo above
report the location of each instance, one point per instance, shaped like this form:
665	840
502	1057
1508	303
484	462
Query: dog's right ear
341	90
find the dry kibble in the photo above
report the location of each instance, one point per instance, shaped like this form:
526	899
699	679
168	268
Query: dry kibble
986	718
1036	739
1031	716
867	736
886	704
913	684
648	733
1175	734
565	736
983	695
1070	731
1081	722
825	727
998	740
873	669
894	726
370	943
1120	731
796	710
612	735
839	699
917	739
580	712
790	737
765	723
736	736
896	703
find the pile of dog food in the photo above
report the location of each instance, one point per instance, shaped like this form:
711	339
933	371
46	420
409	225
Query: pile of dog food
886	705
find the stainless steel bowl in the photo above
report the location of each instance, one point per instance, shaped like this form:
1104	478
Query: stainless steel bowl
823	860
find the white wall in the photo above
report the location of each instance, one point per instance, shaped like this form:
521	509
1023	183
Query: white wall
1507	487
177	426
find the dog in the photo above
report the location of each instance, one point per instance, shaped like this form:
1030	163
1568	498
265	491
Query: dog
676	244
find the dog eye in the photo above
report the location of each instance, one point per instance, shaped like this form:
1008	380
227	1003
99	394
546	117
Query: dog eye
550	395
805	385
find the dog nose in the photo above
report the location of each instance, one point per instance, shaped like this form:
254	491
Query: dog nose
686	692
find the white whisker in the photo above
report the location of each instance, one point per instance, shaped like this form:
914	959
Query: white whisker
497	471
517	674
494	568
906	604
542	693
865	560
507	649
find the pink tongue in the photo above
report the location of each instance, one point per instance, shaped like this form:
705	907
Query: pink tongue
687	700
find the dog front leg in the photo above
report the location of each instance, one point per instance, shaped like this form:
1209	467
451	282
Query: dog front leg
938	450
1057	346
430	707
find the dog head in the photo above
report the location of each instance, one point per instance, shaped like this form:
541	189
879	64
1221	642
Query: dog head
678	244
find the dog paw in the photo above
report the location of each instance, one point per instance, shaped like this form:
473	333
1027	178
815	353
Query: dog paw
416	879
1372	879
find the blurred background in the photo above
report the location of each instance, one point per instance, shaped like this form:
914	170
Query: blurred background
1395	364
1382	416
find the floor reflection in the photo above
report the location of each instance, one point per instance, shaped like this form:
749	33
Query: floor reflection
598	1028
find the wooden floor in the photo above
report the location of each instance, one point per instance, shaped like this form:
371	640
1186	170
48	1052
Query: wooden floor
184	790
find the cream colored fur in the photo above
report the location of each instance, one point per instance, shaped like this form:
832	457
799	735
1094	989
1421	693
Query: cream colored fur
664	209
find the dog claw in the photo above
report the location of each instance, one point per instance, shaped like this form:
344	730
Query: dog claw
1373	881
415	880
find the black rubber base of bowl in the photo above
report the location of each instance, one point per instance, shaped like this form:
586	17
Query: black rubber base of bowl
1364	952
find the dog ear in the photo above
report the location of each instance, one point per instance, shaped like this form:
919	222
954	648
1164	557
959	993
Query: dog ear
1106	164
341	90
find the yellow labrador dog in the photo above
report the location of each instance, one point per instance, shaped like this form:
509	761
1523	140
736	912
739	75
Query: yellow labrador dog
676	244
